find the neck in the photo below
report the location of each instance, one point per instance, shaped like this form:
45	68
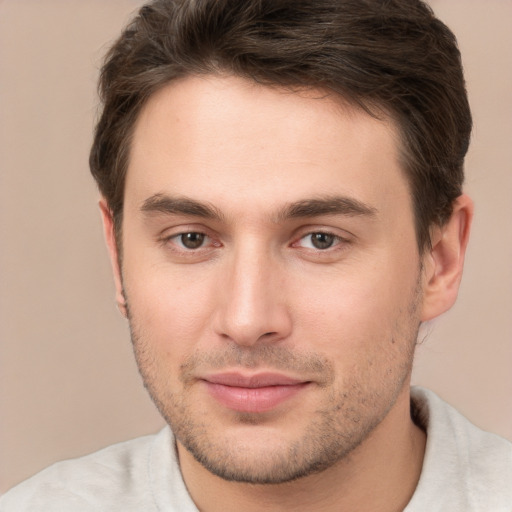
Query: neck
379	475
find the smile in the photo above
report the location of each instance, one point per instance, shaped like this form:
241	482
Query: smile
253	394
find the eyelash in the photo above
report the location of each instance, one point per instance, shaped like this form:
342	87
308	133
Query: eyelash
176	240
336	240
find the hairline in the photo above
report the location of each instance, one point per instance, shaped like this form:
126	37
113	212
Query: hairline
373	108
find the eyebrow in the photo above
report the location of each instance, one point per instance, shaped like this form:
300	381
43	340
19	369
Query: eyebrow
330	205
162	203
306	208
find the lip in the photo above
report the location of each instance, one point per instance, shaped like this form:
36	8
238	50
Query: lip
256	393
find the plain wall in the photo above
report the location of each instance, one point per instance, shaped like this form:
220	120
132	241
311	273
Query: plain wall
68	383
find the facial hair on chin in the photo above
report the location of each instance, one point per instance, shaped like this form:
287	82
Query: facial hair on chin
345	417
341	422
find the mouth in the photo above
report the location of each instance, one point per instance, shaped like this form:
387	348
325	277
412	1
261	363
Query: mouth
256	393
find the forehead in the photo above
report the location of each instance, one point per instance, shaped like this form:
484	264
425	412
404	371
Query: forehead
233	142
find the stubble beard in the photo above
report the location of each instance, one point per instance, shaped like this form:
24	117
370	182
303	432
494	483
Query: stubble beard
344	419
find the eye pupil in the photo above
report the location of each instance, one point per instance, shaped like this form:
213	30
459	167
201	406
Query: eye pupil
322	240
192	240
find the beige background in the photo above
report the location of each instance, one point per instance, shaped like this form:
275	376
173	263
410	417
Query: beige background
68	384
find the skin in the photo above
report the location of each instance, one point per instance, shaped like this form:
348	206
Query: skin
253	174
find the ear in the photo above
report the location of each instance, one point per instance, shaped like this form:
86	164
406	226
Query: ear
444	262
110	239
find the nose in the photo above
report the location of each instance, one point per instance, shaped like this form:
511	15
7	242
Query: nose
252	304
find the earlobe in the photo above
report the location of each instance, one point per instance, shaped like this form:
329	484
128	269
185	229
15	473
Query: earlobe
444	262
110	239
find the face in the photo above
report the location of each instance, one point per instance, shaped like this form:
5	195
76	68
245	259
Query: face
271	274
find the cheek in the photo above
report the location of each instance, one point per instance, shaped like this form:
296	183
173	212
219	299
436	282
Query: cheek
349	330
165	308
167	322
360	311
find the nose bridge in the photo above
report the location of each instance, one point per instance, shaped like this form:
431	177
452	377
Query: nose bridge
252	305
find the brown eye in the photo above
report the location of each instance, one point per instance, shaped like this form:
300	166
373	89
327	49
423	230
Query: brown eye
192	240
322	240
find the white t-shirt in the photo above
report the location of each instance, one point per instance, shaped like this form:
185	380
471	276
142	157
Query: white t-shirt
464	470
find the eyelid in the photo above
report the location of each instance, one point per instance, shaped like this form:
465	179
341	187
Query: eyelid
176	240
167	236
337	240
340	234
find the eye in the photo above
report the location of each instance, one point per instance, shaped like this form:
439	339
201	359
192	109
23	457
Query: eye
191	240
319	241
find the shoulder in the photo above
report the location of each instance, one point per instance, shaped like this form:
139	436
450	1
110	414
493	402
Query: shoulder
464	466
115	478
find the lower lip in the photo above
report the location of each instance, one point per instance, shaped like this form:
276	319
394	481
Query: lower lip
261	399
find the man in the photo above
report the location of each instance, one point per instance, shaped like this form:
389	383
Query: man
282	200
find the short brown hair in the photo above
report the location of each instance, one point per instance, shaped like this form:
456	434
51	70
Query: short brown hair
391	56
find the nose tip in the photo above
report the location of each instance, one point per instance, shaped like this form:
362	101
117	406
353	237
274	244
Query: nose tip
252	307
255	322
248	336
